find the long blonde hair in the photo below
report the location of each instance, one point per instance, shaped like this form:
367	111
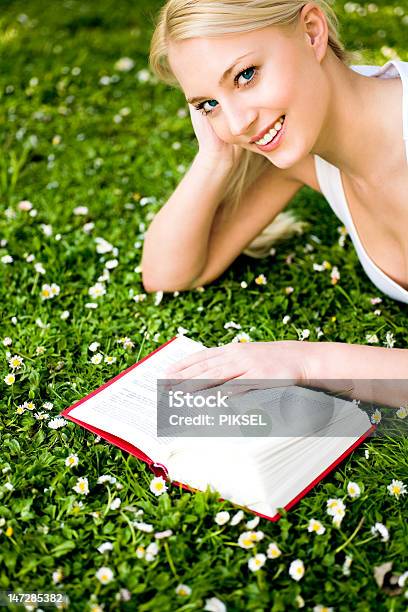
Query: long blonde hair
184	19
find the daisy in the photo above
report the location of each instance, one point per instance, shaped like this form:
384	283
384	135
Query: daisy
151	551
140	552
252	523
7	259
64	315
91	305
38	267
353	490
103	246
261	279
105	547
8	486
231	324
334	506
9	379
248	539
24	205
372	338
255	563
397	488
304	334
140	297
30	405
82	486
402	412
20	409
80	210
237	518
334	275
321	608
57	423
296	570
338	517
109	359
158	485
146	527
242	337
389	340
214	605
106	478
124	64
104	575
381	529
115	503
57	576
316	527
72	461
97	358
222	517
163	534
286	319
97	291
7	341
93	347
47	405
346	565
376	417
273	551
111	264
243	285
183	590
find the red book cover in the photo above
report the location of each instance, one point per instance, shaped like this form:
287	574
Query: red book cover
160	470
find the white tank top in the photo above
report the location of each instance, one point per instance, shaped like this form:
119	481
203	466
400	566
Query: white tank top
331	185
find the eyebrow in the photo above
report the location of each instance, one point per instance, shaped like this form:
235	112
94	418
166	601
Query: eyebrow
222	79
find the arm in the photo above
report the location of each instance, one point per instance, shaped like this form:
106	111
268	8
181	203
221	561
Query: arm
373	374
191	223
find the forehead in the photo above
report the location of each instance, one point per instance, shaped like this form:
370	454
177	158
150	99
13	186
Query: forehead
195	59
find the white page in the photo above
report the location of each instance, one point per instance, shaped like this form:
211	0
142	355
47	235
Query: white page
128	407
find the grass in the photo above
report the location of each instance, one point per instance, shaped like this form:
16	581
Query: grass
76	131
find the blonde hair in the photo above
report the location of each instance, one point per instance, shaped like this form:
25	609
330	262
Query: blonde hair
184	19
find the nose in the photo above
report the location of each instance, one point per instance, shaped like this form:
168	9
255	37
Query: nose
240	119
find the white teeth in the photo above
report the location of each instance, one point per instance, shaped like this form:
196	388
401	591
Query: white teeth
272	133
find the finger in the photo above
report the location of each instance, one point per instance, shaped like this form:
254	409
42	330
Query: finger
176	369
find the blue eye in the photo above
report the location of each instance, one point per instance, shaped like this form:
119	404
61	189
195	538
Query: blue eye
245	72
248	74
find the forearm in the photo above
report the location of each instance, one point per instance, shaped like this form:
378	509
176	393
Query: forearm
371	374
176	243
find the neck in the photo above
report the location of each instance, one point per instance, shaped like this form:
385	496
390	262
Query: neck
359	124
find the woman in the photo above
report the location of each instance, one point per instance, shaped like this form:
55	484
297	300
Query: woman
275	106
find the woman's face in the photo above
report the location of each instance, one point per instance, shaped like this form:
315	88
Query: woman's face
280	75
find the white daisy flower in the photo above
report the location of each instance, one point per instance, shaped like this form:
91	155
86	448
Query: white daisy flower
57	576
353	490
115	503
16	362
47	229
346	565
24	205
255	563
111	264
320	608
372	338
397	488
213	604
7	341
261	279
104	575
91	305
160	535
242	337
286	319
105	547
106	478
376	417
248	539
103	246
82	486
146	527
47	405
72	461
402	412
8	486
124	64
316	527
7	259
221	518
80	210
94	346
252	523
237	518
334	506
381	529
57	423
297	570
158	485
151	551
273	551
109	359
64	315
39	268
231	324
97	358
183	590
97	290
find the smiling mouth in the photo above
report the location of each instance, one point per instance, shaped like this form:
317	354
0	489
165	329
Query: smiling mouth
273	130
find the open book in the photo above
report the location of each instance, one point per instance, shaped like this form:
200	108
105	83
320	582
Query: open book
261	473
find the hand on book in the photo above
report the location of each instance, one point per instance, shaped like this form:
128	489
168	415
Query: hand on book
286	360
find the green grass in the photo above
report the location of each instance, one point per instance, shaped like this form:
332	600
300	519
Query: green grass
63	146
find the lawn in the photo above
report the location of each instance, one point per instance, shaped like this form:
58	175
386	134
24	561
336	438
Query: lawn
92	147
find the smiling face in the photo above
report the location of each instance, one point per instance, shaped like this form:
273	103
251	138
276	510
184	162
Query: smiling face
281	74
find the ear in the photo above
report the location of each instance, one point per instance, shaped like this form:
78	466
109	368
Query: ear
314	24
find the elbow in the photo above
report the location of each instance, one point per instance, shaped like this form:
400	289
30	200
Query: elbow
152	285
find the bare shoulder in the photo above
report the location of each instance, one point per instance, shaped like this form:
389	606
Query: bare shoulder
304	172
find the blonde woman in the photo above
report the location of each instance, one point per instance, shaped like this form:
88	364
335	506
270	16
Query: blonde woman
275	105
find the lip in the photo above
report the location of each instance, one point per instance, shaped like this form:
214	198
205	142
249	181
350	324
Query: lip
276	141
262	134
